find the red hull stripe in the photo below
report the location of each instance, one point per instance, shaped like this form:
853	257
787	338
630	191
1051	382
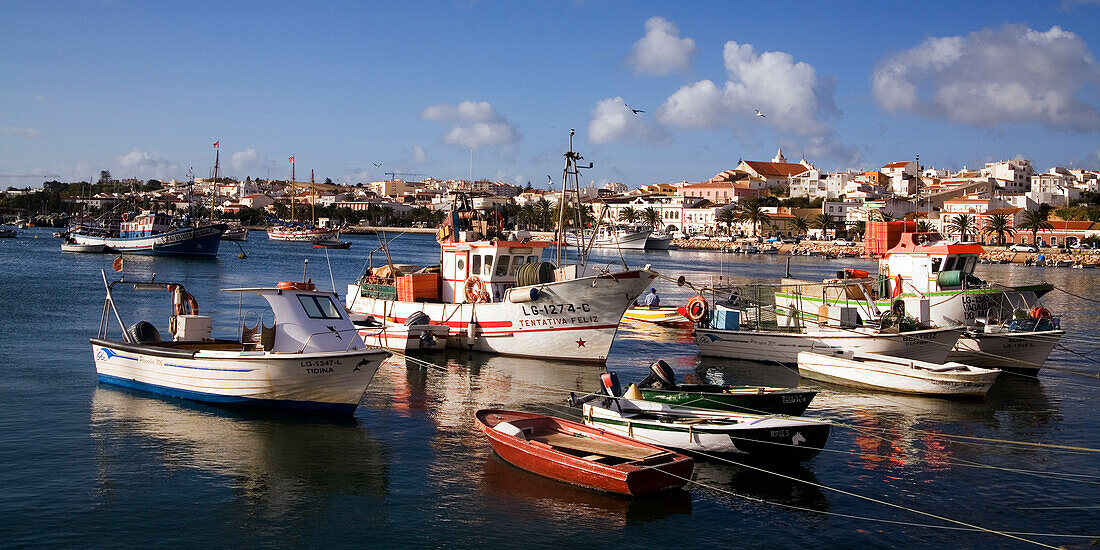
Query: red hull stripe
500	324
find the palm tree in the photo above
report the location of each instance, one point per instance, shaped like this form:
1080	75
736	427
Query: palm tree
963	224
753	213
385	211
1034	221
800	225
856	232
1001	226
651	217
924	227
628	214
545	212
727	217
822	221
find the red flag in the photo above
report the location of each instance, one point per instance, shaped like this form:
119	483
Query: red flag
292	160
216	144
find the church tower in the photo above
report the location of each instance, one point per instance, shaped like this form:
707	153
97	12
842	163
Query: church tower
779	156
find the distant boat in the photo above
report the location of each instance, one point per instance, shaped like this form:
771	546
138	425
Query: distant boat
342	245
302	233
620	237
7	233
69	245
658	241
577	454
235	233
154	234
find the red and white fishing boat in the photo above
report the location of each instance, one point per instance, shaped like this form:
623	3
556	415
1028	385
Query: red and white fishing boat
581	455
302	233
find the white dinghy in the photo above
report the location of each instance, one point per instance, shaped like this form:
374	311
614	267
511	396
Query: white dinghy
884	372
311	357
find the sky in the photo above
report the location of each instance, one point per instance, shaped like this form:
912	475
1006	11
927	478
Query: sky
454	89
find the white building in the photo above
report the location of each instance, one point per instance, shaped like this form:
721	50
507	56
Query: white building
1010	176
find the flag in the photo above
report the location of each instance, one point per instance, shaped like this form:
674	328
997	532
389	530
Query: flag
292	160
216	144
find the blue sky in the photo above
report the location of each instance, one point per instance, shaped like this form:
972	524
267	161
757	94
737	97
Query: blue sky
144	88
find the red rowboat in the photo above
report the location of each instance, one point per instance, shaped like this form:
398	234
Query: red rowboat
581	455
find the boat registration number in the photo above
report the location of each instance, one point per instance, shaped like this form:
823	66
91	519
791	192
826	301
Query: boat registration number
555	309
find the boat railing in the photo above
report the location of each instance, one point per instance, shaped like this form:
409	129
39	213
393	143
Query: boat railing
353	330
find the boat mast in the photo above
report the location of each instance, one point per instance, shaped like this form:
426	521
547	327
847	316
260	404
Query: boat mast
312	199
571	174
214	188
293	212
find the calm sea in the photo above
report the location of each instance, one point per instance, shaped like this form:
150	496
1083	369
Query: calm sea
91	466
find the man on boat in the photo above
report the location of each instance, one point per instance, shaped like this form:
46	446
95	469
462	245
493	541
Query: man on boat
651	300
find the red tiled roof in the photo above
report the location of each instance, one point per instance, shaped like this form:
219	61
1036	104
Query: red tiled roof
1005	211
901	164
1064	225
784	169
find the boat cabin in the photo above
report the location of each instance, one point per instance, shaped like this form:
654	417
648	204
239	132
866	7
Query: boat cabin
145	225
927	263
481	271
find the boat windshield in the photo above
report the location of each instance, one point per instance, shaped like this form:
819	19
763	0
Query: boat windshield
319	307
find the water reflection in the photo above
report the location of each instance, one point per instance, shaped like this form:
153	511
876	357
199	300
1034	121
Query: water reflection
276	461
753	483
512	491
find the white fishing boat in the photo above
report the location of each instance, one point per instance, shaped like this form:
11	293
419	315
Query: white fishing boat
235	233
658	241
69	245
614	236
883	372
703	430
783	347
311	357
1018	345
496	293
302	233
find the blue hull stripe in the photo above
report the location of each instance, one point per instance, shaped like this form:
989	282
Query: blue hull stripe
206	368
315	406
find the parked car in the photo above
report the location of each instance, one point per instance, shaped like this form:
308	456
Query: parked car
842	242
1024	248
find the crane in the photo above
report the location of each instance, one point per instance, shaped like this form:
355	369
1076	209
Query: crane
393	175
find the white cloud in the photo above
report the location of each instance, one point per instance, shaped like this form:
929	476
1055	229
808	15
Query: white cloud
418	155
473	124
41	98
143	165
793	98
613	121
661	51
21	132
250	163
994	76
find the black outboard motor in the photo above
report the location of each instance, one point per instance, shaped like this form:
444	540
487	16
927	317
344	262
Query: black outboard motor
143	332
661	377
418	318
609	387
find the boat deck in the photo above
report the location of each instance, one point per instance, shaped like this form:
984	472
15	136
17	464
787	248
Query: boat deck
595	450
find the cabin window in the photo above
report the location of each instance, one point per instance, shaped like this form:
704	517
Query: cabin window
488	265
517	261
532	259
970	263
936	264
319	307
949	265
475	264
502	266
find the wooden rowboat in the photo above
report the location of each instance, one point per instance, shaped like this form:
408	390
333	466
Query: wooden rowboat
580	455
883	372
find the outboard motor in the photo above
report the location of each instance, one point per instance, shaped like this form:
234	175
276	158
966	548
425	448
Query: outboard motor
418	318
143	332
660	377
609	387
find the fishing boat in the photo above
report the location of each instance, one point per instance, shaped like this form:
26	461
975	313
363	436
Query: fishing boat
311	357
1017	345
497	294
339	245
235	233
154	234
660	386
665	316
577	454
69	245
611	236
303	233
658	241
703	430
883	372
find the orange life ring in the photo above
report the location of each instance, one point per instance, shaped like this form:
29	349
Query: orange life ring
897	286
475	290
125	216
296	285
192	305
1040	312
696	309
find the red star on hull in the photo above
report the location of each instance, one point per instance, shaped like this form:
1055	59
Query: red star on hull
580	343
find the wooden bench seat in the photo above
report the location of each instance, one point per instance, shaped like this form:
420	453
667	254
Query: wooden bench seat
593	446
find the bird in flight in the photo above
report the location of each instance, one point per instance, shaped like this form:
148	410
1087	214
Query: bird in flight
377	164
633	110
759	114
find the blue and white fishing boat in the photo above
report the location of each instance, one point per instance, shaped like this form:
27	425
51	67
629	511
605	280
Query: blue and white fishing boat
155	234
310	357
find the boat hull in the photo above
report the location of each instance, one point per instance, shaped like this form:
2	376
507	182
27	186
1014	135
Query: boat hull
191	241
664	471
659	242
303	235
631	241
878	372
235	234
83	248
783	347
665	316
737	399
405	339
760	437
1016	351
575	319
328	382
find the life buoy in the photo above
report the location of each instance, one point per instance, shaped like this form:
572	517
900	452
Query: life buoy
192	304
125	216
1040	312
296	285
475	290
897	286
696	309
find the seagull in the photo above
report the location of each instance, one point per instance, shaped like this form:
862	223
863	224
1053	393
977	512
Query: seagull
379	164
633	110
759	114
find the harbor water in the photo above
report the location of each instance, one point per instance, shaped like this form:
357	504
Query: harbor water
87	465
